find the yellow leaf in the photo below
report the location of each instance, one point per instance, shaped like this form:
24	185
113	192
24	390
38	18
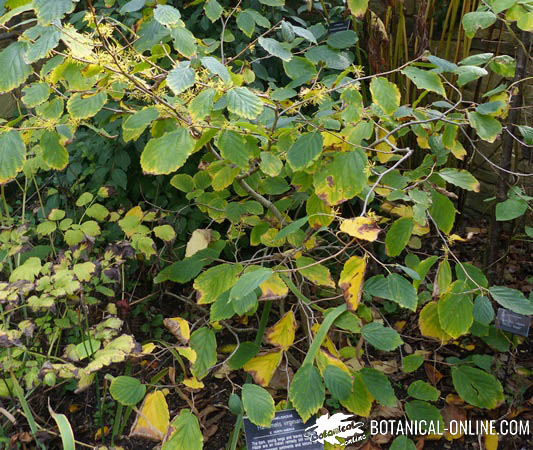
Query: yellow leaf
504	110
324	359
179	328
154	418
361	228
429	324
491	439
384	149
193	383
148	348
188	353
273	288
351	280
314	272
422	142
136	211
98	434
282	332
327	343
397	210
199	240
263	366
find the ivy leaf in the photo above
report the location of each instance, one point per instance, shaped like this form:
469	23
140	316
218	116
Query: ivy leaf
383	338
424	79
477	387
244	103
351	281
398	235
282	333
48	11
305	151
512	299
12	155
307	392
258	404
461	178
168	153
385	94
204	343
488	128
188	435
82	106
166	15
54	153
180	78
16	70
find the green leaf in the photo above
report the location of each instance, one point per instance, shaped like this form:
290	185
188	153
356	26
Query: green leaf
16	70
249	282
527	134
477	387
48	39
461	178
35	94
316	273
503	65
383	338
49	11
424	79
468	74
165	232
500	5
291	228
246	351
512	299
456	310
483	310
133	126
525	21
427	415
488	128
338	382
201	105
166	15
385	94
168	153
474	273
510	209
213	10
65	430
394	288
304	33
272	2
477	20
442	211
246	23
188	435
411	362
217	68
402	443
299	68
132	6
270	164
258	404
342	39
358	7
54	153
204	343
12	155
151	32
307	392
128	391
81	106
398	235
379	386
360	400
342	178
233	147
184	41
215	281
244	103
423	391
305	151
181	78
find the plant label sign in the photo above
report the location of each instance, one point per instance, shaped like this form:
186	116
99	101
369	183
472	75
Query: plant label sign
287	432
335	27
512	322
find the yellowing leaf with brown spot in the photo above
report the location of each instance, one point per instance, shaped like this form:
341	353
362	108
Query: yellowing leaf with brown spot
351	281
361	228
199	240
263	366
429	324
154	419
273	288
136	211
179	328
282	332
193	383
327	343
188	353
458	416
324	359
